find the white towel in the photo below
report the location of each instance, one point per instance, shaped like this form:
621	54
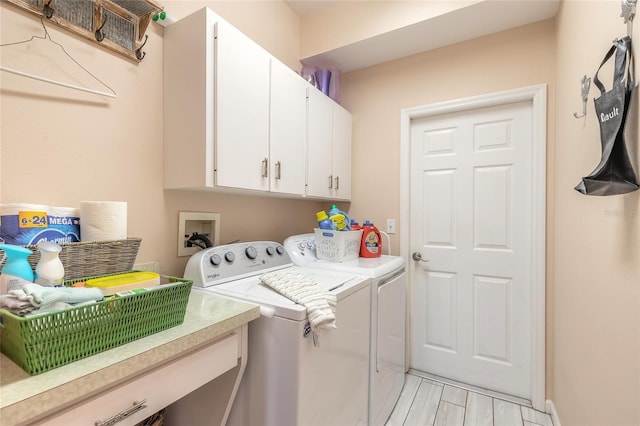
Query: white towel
320	304
15	305
40	296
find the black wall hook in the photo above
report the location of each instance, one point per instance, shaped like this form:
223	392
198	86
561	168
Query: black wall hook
48	10
99	33
139	53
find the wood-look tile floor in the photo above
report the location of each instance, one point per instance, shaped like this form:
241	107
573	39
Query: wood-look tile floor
425	402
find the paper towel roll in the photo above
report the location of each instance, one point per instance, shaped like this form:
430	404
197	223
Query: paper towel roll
103	220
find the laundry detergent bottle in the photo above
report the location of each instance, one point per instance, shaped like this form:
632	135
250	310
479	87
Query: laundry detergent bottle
16	271
323	220
341	220
371	243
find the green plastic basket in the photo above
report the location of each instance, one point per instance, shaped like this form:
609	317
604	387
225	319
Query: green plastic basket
44	342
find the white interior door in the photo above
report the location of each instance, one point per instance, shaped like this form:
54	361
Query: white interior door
471	220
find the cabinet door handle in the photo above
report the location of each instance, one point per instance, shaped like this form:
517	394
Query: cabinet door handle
278	170
330	181
137	406
265	168
337	183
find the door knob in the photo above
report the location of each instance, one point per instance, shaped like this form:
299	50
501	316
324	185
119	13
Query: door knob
417	256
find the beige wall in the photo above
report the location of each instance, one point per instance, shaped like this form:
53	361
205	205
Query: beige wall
345	22
512	59
517	58
270	23
61	146
596	342
593	267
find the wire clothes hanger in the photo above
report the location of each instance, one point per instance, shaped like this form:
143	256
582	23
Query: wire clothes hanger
111	94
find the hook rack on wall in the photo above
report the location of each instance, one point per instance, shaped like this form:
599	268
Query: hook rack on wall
585	85
118	25
628	13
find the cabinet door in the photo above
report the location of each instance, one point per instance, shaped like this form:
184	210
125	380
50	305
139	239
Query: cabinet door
241	110
188	102
319	144
288	130
341	158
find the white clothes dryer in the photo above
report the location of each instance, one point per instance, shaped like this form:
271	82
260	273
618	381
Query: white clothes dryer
291	379
388	318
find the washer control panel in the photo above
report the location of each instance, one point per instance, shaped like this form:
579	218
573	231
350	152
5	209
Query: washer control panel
220	264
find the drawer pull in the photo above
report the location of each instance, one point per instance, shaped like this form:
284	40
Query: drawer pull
137	406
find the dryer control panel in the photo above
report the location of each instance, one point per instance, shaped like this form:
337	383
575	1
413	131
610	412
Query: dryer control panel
301	248
217	265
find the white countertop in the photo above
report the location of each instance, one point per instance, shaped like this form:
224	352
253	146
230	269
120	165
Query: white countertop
24	397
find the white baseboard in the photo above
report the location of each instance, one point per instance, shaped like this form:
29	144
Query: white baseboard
551	410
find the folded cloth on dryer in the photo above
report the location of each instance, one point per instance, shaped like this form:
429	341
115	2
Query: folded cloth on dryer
296	286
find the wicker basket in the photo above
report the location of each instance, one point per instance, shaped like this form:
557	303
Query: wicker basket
43	342
92	258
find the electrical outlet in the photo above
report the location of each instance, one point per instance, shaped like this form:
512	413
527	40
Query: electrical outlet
391	226
194	222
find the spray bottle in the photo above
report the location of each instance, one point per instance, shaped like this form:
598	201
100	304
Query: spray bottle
49	270
371	244
17	271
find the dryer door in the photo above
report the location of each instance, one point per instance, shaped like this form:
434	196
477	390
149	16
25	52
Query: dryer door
388	377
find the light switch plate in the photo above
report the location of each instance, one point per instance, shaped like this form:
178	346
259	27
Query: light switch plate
391	226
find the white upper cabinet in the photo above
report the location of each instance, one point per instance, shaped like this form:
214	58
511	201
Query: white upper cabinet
189	102
287	130
241	110
216	106
329	148
341	154
319	145
235	118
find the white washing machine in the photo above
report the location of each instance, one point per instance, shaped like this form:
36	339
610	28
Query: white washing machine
291	379
388	325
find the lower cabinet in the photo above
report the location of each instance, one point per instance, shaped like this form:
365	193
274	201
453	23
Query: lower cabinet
135	400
